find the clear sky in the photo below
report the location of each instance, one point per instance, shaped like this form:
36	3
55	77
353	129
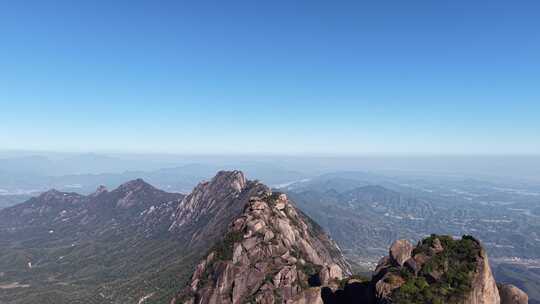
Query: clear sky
273	77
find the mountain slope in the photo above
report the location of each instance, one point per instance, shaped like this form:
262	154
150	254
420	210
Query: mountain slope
366	219
138	244
126	245
270	253
107	247
202	216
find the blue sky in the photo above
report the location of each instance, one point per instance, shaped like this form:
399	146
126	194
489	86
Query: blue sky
271	77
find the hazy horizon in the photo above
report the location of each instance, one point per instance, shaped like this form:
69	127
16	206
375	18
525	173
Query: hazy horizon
517	167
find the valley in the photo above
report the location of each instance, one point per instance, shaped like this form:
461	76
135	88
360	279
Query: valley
365	213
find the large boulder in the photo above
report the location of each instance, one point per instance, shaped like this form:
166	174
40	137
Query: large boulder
401	251
433	258
510	294
387	284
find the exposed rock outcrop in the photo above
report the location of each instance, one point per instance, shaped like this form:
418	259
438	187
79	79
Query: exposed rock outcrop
271	253
510	294
209	197
204	215
444	269
400	251
438	270
484	288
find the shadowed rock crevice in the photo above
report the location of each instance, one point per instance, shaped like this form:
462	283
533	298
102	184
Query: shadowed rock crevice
353	293
314	280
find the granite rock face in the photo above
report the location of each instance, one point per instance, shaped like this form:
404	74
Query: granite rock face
209	197
484	288
270	253
401	251
431	264
510	294
204	215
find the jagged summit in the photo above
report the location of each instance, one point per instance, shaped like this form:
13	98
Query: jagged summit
269	251
209	197
234	179
204	214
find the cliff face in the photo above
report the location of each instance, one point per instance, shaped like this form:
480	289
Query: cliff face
484	288
271	253
438	270
211	197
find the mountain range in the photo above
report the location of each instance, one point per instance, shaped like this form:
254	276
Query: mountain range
231	240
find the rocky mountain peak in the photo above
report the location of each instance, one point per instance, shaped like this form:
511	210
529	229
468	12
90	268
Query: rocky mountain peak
134	185
214	199
233	179
270	253
133	193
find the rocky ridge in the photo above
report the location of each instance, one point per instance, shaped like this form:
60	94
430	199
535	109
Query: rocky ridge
266	251
271	253
203	216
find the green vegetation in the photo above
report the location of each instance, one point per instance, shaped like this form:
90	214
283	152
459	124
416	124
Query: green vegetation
446	277
224	248
309	268
223	251
312	274
123	270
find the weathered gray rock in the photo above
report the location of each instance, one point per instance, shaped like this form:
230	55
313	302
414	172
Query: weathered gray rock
204	215
510	294
207	197
401	251
484	287
387	277
412	266
436	247
274	254
387	284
